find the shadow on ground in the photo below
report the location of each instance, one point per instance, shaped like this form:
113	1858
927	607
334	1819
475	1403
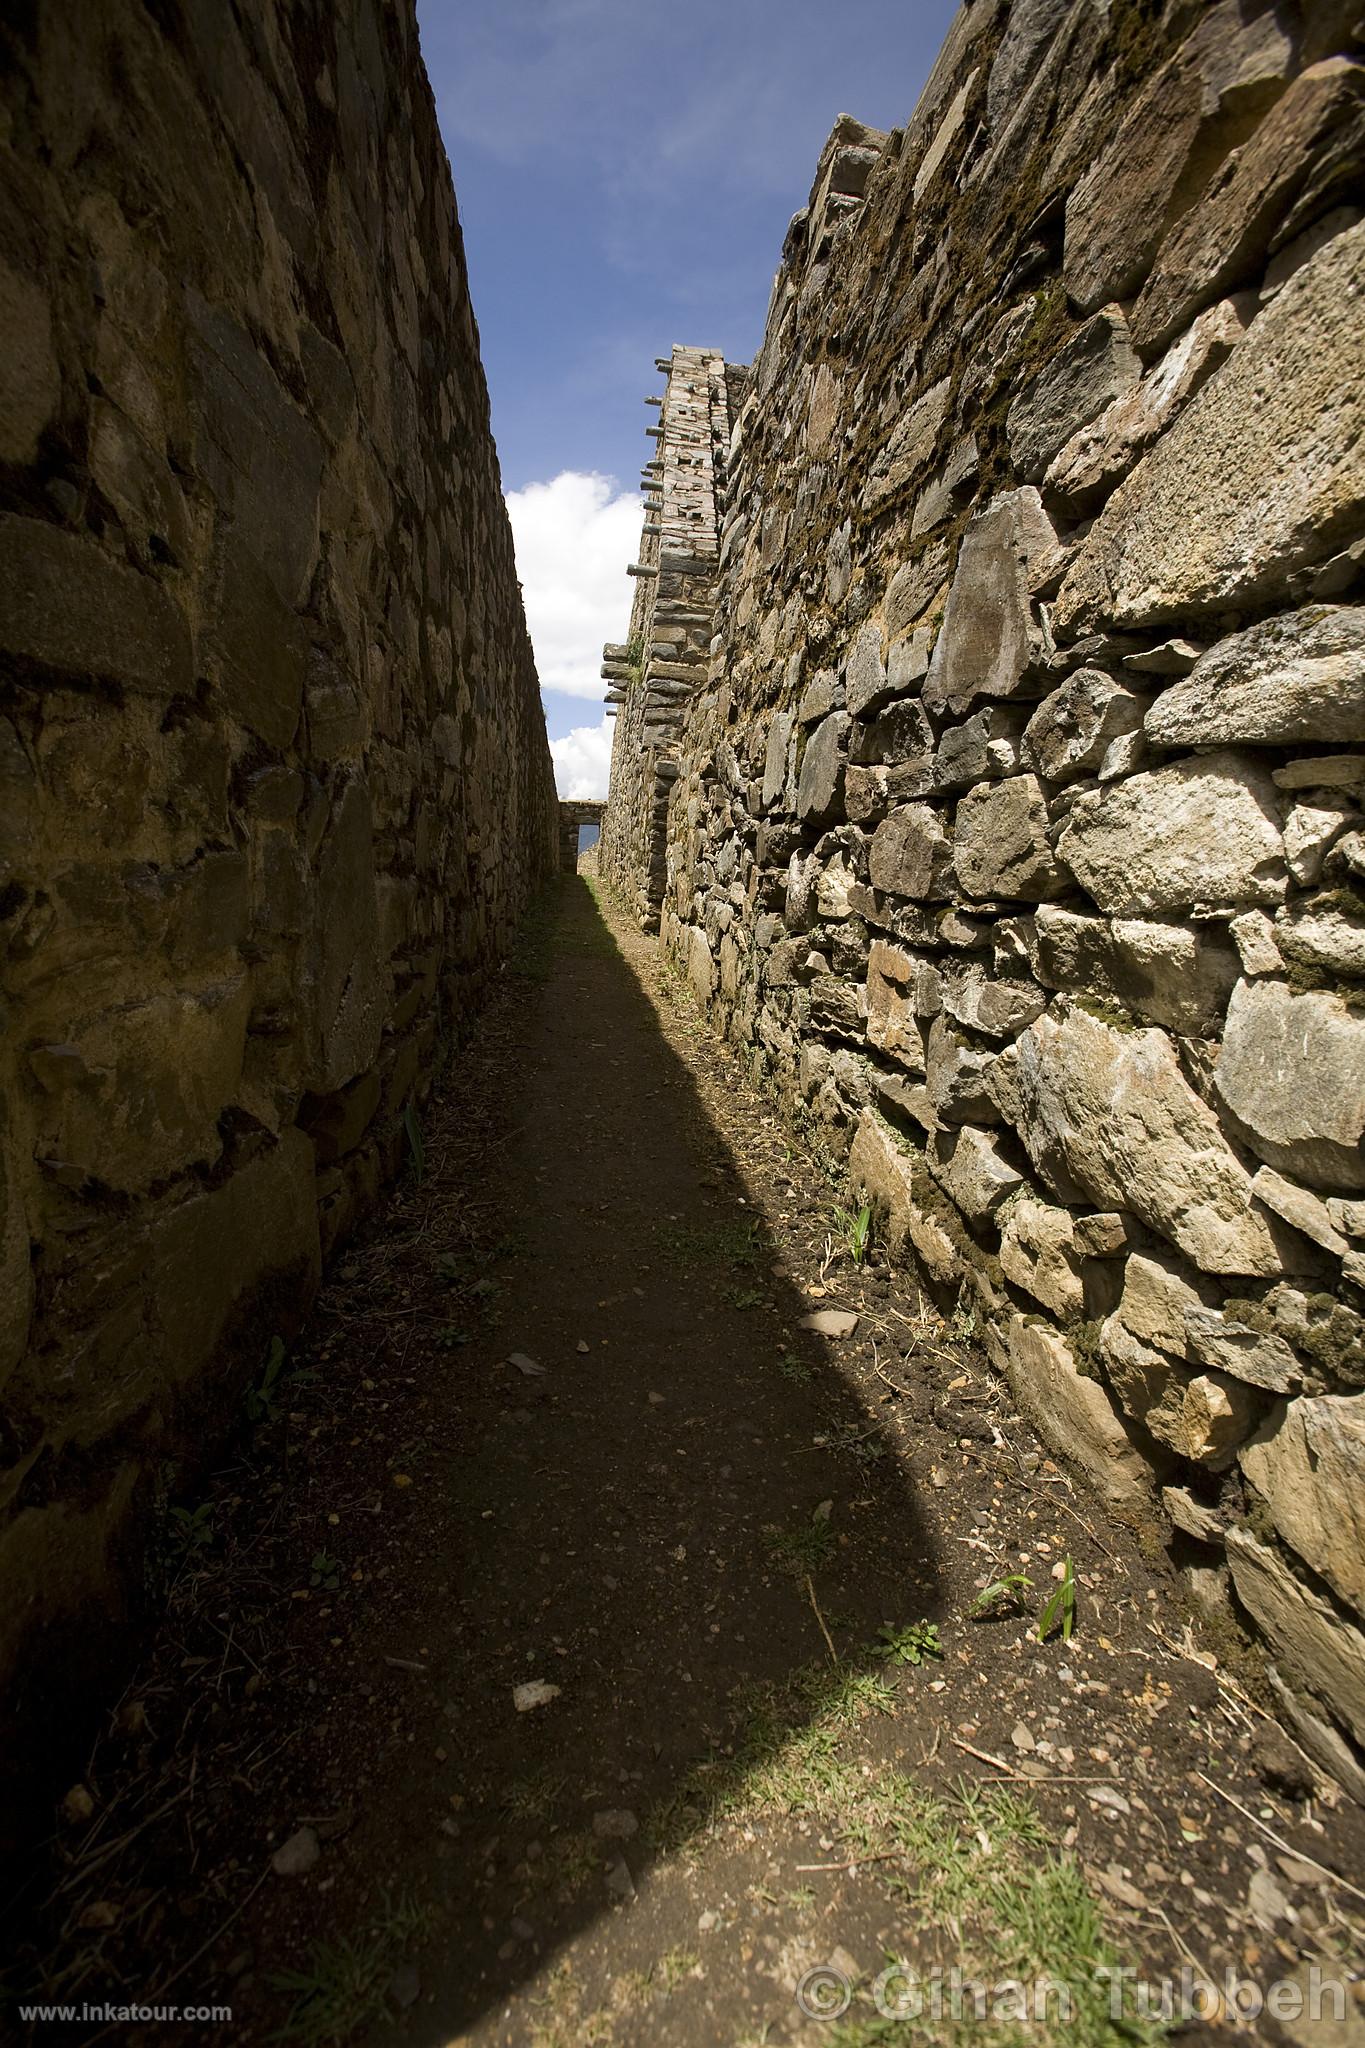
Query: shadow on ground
634	1510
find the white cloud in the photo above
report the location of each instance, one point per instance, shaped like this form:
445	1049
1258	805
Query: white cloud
583	761
574	537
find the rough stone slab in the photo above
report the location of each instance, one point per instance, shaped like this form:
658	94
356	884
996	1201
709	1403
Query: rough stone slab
911	855
1070	732
1200	1416
1204	830
819	793
892	1025
956	1076
257	649
1297	1207
1292	1072
1077	1418
989	634
1096	457
909	446
1262	475
1324	1743
1255	1355
1000	845
1038	1254
1308	1465
1312	1641
865	683
1328	942
1173	974
1222	239
994	1008
217	1249
67	605
1119	210
1094	367
1108	1115
883	1173
972	1171
775	758
1294	678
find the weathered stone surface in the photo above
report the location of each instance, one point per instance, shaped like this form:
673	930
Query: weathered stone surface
1312	1641
1314	129
892	1025
911	854
899	733
908	447
1119	210
160	1074
1328	942
819	795
1038	1254
883	1173
994	1008
16	1266
1172	974
1309	832
1001	846
775	758
1297	1207
956	1074
1308	1465
1093	368
1300	676
1109	1115
1076	1416
1292	1072
1201	1416
1159	1292
258	650
865	684
1320	1739
1071	731
989	634
30	380
1205	830
1261	475
973	1172
1098	455
125	627
1256	1355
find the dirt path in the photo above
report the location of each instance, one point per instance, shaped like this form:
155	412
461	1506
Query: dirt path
565	1427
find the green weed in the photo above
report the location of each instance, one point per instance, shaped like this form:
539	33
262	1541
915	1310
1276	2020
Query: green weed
342	1987
417	1151
910	1645
1002	1596
263	1400
189	1530
855	1232
803	1549
1061	1606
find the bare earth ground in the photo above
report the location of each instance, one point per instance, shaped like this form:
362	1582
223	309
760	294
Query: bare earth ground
559	1421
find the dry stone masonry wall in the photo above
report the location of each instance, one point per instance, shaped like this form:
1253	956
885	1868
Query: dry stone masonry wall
654	676
1015	828
275	778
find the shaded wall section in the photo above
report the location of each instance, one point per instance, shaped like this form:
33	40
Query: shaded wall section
275	778
1015	827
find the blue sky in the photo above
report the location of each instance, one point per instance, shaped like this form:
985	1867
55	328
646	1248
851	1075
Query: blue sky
625	173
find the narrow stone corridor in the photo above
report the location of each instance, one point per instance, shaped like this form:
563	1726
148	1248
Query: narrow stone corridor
560	1425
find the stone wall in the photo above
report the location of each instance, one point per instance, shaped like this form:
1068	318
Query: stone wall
655	675
275	778
1015	828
